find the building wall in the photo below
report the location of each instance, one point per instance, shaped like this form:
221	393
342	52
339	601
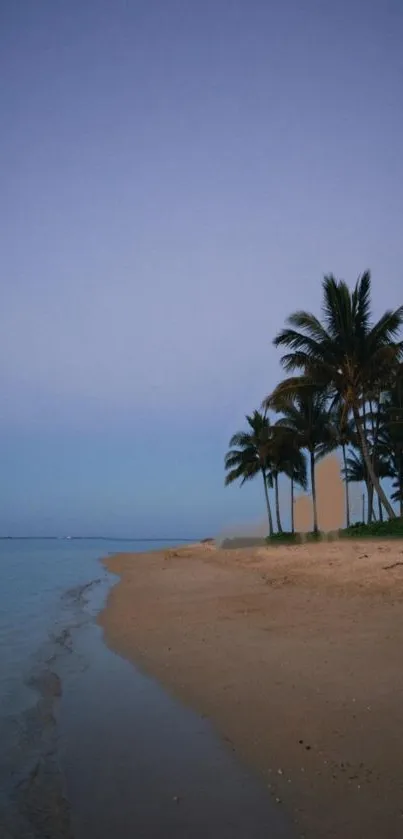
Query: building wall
330	499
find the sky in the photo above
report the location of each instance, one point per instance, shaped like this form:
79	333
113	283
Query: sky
176	177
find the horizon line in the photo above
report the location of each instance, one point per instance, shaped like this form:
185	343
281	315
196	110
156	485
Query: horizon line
109	538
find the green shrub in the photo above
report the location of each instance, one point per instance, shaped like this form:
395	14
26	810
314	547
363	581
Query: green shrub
391	529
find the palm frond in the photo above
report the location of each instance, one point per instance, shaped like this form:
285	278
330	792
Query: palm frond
310	324
286	392
361	304
386	329
241	439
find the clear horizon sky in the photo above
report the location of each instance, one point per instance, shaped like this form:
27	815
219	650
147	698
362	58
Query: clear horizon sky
176	178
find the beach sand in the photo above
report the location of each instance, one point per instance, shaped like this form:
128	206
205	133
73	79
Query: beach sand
295	655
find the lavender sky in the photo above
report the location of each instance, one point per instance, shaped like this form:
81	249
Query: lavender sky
176	177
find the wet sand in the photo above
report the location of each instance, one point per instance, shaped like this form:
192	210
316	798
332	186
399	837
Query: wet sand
34	803
139	764
294	654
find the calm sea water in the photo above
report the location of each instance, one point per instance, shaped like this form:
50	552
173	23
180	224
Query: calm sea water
34	576
41	582
91	747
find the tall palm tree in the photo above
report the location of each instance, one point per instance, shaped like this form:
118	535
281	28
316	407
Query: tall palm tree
308	418
345	352
248	456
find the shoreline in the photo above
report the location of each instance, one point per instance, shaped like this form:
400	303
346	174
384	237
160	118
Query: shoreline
293	653
134	756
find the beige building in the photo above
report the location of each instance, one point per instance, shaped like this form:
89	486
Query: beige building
330	497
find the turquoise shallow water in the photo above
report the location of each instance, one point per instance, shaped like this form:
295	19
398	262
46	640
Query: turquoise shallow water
90	746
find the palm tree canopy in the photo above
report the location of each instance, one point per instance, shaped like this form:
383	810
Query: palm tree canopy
345	352
285	453
356	468
248	453
294	462
397	494
392	417
307	416
341	431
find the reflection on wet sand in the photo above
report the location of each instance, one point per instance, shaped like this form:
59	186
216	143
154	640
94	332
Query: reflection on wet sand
138	763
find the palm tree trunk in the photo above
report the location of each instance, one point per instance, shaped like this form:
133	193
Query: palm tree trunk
370	491
313	490
346	487
279	527
266	493
373	456
368	462
401	484
375	434
292	505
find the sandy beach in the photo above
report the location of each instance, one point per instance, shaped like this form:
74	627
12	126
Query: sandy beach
294	654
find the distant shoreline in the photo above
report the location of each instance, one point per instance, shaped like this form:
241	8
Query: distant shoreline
179	539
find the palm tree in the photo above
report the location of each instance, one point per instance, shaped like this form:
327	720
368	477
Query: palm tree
248	456
277	465
342	435
308	418
397	495
355	471
390	443
345	353
294	465
285	457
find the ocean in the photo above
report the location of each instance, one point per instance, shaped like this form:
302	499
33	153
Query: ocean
35	575
89	745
